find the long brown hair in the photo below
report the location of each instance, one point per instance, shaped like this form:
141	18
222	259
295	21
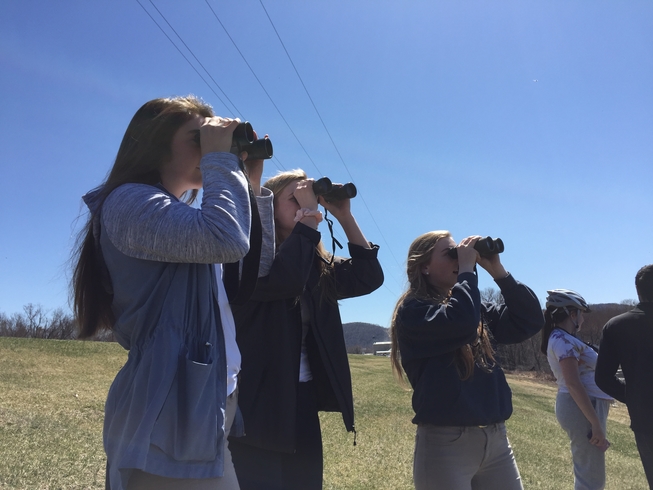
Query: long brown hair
552	318
419	254
144	149
327	282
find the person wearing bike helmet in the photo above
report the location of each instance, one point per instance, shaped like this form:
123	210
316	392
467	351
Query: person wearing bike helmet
581	407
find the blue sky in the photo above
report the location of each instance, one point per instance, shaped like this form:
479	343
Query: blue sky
530	121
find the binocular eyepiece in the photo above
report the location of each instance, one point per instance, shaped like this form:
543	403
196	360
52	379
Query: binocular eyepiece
243	140
484	246
325	188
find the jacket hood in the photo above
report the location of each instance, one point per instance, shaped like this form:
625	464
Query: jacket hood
93	199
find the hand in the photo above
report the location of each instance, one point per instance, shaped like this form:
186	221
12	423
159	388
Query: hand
254	169
305	195
339	209
597	438
467	254
216	134
492	264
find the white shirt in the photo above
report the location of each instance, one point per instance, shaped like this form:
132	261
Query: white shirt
563	345
229	331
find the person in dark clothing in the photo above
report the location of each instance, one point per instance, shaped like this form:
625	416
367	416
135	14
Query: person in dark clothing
443	335
294	359
628	342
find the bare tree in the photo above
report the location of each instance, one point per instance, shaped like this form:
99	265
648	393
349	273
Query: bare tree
60	326
491	295
35	320
6	326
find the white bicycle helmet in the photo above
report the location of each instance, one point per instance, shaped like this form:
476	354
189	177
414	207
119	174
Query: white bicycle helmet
566	298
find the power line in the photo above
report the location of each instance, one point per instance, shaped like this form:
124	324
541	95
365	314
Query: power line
262	86
196	59
325	128
275	160
182	54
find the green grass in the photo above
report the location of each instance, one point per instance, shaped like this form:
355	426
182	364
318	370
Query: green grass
51	409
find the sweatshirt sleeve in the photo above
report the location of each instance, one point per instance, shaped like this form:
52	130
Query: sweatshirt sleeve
427	329
607	364
360	274
144	222
291	266
519	318
265	203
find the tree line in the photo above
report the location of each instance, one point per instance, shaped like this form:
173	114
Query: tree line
38	323
526	356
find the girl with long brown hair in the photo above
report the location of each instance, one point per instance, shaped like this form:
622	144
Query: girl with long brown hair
442	339
145	269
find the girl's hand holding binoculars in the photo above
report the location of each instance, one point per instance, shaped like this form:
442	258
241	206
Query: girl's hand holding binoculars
467	254
492	264
340	209
216	134
304	194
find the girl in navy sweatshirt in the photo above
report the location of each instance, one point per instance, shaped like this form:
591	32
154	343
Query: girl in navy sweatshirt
443	336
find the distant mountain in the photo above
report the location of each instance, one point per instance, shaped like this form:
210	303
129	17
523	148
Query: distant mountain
360	336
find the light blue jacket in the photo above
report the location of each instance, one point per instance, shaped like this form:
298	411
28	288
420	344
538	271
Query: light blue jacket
165	409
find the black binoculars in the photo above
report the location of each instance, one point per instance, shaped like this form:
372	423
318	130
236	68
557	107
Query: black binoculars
243	140
323	187
485	247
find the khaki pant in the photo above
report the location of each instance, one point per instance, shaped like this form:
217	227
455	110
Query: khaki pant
464	458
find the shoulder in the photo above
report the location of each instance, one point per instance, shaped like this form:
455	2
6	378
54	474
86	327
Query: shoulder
128	198
128	194
563	345
625	319
411	305
133	205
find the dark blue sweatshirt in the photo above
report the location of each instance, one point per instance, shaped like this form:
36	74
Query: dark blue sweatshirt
429	335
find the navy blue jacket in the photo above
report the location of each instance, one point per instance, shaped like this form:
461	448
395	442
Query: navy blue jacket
429	335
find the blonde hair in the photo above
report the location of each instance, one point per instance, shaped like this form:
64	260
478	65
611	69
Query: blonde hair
420	253
277	184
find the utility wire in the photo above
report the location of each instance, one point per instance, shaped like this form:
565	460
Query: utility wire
326	129
184	56
198	61
262	87
275	160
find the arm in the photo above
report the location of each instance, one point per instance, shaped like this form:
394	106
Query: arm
291	266
519	318
341	210
607	365
436	329
569	367
145	222
265	204
359	275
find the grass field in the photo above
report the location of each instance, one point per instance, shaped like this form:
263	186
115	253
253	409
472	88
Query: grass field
51	409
